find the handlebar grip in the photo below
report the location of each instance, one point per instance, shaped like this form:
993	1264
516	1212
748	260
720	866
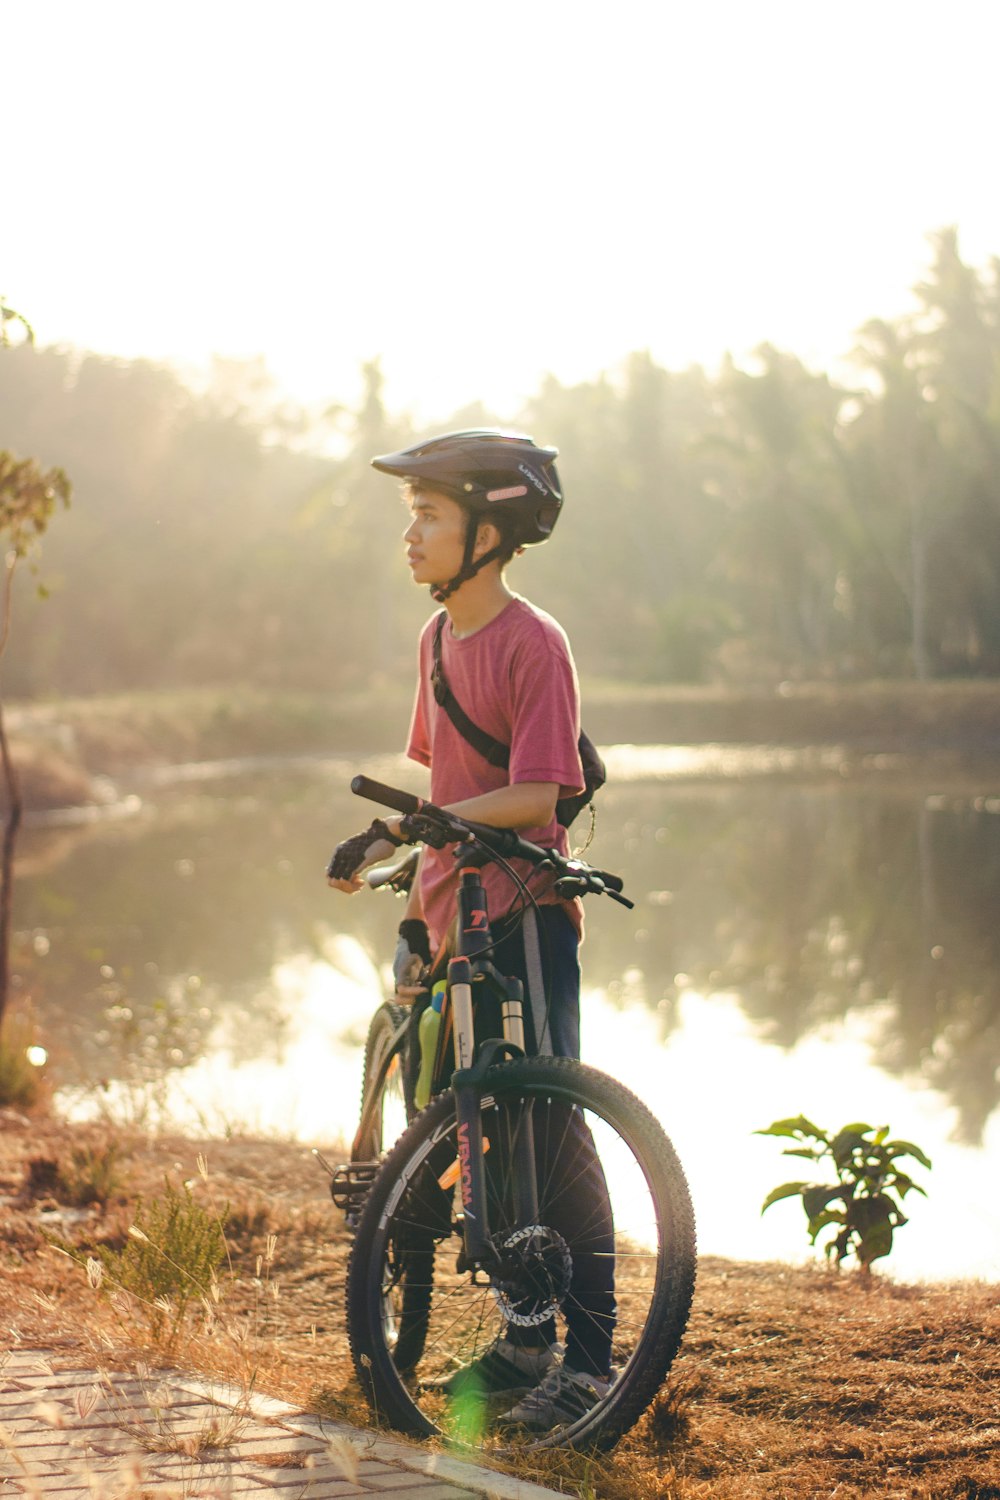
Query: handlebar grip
612	882
402	802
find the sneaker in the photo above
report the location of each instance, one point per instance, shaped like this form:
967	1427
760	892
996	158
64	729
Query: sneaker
505	1369
563	1397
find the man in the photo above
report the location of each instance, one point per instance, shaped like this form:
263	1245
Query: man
476	498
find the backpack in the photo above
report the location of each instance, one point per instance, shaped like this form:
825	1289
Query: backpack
498	754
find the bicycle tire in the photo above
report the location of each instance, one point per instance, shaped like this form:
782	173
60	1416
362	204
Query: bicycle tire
395	1110
653	1253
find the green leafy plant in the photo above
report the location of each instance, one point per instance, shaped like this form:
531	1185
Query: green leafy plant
862	1206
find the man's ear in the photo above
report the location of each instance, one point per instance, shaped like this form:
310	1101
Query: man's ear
488	536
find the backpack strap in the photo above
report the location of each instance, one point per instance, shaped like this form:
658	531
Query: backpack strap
490	749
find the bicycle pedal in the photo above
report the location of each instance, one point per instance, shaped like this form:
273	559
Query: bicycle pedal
349	1187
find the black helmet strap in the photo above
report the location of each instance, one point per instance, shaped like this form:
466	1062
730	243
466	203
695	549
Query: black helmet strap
470	565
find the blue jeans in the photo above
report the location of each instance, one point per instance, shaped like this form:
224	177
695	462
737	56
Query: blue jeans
557	1032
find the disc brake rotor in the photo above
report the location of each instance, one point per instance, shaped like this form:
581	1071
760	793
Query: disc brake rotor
532	1276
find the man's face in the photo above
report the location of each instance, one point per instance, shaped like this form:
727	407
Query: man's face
435	537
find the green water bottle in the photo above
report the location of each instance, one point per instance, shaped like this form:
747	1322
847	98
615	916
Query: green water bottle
430	1025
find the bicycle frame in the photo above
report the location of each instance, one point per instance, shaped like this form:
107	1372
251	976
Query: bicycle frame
467	970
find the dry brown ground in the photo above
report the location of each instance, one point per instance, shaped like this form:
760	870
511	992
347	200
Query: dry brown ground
791	1382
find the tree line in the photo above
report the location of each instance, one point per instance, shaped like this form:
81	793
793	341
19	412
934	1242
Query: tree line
758	523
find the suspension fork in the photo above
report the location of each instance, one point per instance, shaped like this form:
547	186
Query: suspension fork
525	1179
473	936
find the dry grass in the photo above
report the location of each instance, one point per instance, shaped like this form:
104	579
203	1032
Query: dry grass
791	1383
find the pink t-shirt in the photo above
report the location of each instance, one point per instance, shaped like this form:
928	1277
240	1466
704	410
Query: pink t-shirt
515	678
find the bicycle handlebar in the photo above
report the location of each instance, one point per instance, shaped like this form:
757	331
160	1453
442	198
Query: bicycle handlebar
576	877
375	791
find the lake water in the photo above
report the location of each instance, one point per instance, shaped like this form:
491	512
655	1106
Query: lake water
811	935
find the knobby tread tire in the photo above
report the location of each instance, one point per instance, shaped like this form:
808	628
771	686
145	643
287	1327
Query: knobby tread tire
566	1082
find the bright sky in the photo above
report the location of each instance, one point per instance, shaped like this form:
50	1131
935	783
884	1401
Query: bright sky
481	193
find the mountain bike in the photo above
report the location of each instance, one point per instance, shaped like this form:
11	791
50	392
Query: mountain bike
470	1228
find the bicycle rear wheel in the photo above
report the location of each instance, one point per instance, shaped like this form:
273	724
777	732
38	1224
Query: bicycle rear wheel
386	1107
647	1258
392	1108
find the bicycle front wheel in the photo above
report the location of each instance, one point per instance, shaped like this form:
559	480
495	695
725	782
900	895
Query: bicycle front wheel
609	1259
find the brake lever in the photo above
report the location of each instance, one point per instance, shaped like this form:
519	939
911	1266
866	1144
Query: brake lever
582	885
418	827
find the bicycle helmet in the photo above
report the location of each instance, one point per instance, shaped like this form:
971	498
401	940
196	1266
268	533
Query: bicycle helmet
492	474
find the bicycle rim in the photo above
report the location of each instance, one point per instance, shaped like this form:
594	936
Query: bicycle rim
647	1250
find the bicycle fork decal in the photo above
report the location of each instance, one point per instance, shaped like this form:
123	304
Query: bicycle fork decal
450	1174
470	1168
465	1165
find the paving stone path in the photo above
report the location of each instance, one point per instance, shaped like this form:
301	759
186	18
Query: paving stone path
68	1431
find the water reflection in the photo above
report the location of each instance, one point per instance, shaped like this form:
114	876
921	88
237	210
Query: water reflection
813	909
814	902
713	1082
298	1076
